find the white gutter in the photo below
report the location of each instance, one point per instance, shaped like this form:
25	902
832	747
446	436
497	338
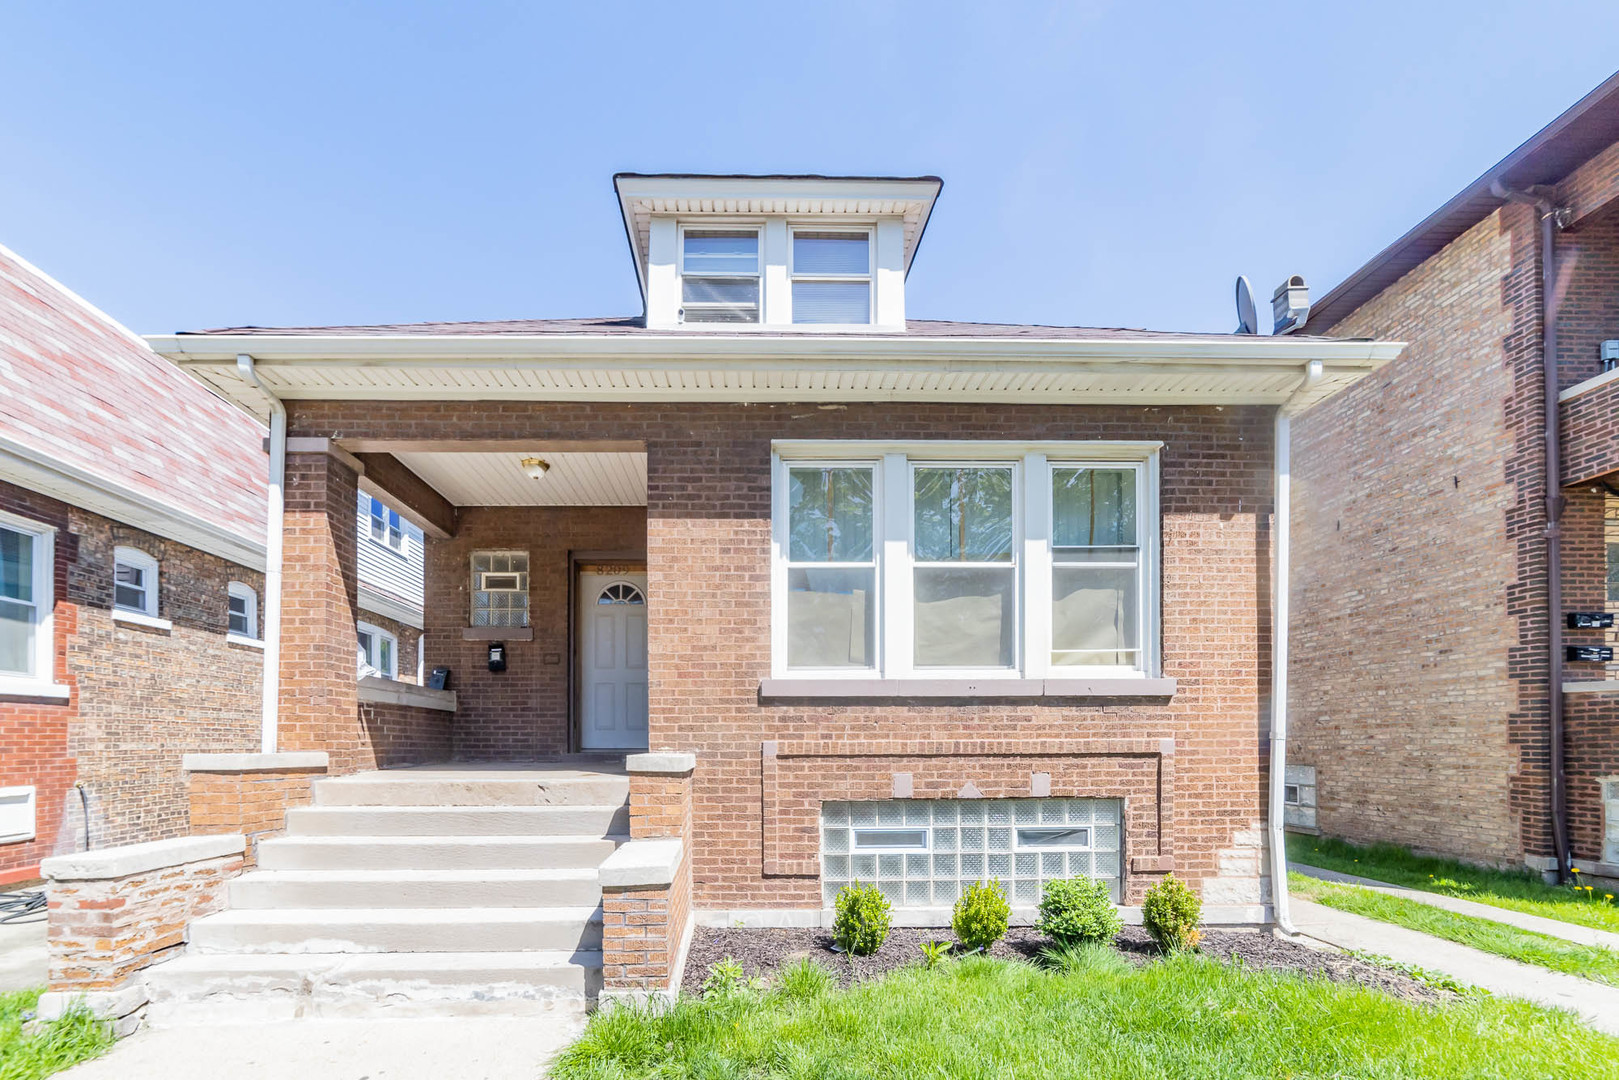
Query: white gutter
1281	609
270	708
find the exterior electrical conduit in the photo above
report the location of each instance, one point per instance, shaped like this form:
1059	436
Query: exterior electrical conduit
272	555
1280	608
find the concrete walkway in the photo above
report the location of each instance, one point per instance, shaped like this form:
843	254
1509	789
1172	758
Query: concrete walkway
23	962
465	1048
1596	1003
1583	935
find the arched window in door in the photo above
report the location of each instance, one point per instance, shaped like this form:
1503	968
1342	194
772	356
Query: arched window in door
621	592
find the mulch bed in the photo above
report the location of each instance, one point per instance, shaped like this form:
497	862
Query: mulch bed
761	952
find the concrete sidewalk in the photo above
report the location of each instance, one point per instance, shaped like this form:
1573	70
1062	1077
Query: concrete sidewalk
1583	935
23	962
466	1048
1596	1003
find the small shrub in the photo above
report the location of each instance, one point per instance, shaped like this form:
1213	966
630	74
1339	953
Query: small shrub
804	981
1170	913
1088	958
981	915
727	979
1078	910
934	953
861	925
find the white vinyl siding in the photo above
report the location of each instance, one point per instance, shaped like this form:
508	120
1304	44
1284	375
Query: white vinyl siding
397	573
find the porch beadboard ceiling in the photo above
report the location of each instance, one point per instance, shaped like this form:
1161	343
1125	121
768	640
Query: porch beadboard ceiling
575	479
1036	365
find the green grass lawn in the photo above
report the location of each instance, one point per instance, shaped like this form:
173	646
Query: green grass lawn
67	1042
1097	1017
1515	891
1556	954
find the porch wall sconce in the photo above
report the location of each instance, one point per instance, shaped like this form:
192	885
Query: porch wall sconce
536	468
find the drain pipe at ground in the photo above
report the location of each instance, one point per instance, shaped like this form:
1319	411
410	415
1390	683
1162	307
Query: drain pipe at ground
1283	452
276	510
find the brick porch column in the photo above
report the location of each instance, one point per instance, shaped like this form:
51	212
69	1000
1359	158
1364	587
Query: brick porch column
319	692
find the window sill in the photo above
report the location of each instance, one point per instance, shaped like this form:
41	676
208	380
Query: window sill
244	641
965	688
33	689
137	618
497	633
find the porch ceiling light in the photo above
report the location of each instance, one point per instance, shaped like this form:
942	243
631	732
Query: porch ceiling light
536	467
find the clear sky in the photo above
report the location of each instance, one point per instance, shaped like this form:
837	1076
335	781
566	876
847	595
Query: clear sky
1105	164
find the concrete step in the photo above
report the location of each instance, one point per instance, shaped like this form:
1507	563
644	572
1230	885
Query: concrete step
595	821
435	852
415	888
452	788
398	930
226	988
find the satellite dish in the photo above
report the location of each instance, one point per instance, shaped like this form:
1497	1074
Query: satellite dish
1247	317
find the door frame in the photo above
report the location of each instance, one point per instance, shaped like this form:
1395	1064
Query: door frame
576	559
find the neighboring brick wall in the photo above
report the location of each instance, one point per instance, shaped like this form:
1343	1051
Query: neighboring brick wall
395	735
252	802
522	711
105	929
141	698
1590	430
1588	304
708	547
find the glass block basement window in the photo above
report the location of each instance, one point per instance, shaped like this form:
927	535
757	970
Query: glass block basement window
923	853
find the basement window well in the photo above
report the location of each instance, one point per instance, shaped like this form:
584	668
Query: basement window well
923	853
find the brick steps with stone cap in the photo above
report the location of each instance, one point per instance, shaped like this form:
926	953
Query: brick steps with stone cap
465	892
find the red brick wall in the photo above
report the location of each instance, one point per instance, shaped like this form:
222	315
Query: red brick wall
142	697
708	554
522	711
254	804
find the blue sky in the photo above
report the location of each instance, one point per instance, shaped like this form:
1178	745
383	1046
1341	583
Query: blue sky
1107	164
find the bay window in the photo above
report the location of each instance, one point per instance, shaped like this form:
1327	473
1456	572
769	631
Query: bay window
965	560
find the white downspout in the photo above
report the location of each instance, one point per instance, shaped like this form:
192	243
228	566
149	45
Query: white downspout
1279	637
270	707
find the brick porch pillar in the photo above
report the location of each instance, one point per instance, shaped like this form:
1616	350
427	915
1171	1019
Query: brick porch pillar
319	692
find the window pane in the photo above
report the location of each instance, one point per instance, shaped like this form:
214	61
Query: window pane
1093	616
915	839
736	300
834	253
385	655
964	515
1093	507
16	638
16	565
831	618
1613	571
1053	838
965	617
831	301
128	591
829	515
720	251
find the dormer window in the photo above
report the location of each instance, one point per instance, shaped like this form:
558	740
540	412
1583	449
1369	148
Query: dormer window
719	275
831	273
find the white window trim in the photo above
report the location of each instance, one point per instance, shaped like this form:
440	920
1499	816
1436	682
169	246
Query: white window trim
892	528
378	635
869	277
151	583
243	591
42	683
758	229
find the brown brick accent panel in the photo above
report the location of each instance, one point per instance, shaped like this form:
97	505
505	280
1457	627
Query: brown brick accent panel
140	697
395	735
1590	429
524	710
106	925
253	802
708	553
319	701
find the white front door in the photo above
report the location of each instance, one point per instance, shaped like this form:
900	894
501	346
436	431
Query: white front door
612	661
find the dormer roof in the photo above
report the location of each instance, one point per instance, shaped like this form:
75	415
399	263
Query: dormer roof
643	195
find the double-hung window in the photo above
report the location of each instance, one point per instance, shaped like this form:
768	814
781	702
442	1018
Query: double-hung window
831	274
965	561
386	528
135	582
719	275
25	601
378	651
243	601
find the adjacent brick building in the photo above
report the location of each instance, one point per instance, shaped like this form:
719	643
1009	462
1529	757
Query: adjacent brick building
1423	684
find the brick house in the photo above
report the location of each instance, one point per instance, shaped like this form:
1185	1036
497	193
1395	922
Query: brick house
845	594
1423	530
132	557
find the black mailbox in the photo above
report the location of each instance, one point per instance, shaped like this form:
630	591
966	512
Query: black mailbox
1590	654
1590	620
497	656
438	679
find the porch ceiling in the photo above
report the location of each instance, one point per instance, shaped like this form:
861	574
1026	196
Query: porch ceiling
498	479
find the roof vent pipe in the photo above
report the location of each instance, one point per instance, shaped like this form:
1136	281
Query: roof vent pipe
1290	305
